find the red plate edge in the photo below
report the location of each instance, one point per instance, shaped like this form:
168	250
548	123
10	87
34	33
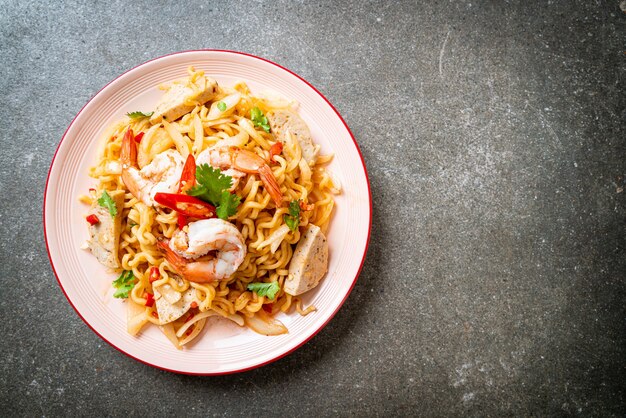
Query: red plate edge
369	231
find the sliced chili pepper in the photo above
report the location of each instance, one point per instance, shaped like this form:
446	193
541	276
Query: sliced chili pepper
188	176
188	333
194	304
93	219
190	317
138	137
276	149
149	299
186	205
154	314
155	274
187	181
182	221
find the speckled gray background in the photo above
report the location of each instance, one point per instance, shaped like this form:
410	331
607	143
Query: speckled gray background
495	140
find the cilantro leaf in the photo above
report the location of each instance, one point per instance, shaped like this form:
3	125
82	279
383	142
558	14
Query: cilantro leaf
107	202
213	187
228	205
221	106
293	219
291	222
124	284
265	289
211	183
139	114
294	208
259	119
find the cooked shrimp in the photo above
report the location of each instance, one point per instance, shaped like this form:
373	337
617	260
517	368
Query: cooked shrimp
211	250
237	163
161	175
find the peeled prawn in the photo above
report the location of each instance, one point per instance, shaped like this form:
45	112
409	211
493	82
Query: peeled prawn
211	250
238	162
161	175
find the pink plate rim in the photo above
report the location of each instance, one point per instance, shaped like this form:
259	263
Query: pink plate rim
314	332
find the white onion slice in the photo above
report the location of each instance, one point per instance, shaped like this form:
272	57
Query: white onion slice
168	330
230	102
265	325
275	238
136	317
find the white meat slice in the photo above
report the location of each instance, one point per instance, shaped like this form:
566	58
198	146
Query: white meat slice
104	237
282	121
309	262
175	101
167	311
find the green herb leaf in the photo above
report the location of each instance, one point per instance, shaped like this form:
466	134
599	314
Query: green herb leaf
213	187
211	183
265	289
293	219
291	222
107	202
228	205
139	115
124	284
221	106
294	208
259	119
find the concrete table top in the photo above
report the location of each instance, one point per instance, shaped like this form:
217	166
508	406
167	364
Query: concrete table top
494	136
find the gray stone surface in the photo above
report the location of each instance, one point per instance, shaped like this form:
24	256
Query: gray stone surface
495	140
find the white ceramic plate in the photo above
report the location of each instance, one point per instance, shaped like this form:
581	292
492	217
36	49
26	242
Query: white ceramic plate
223	347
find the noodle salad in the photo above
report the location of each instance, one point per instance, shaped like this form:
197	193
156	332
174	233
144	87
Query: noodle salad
213	204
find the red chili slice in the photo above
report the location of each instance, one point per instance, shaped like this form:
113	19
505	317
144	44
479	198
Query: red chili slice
187	181
92	219
138	137
186	205
182	221
155	274
149	299
188	176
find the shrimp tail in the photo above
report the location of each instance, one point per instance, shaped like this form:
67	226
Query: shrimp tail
199	272
177	261
269	181
128	157
128	154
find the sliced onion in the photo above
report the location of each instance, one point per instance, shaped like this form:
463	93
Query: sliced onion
305	170
336	182
265	325
181	331
237	319
230	101
275	238
238	140
196	330
168	330
136	317
201	316
177	137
